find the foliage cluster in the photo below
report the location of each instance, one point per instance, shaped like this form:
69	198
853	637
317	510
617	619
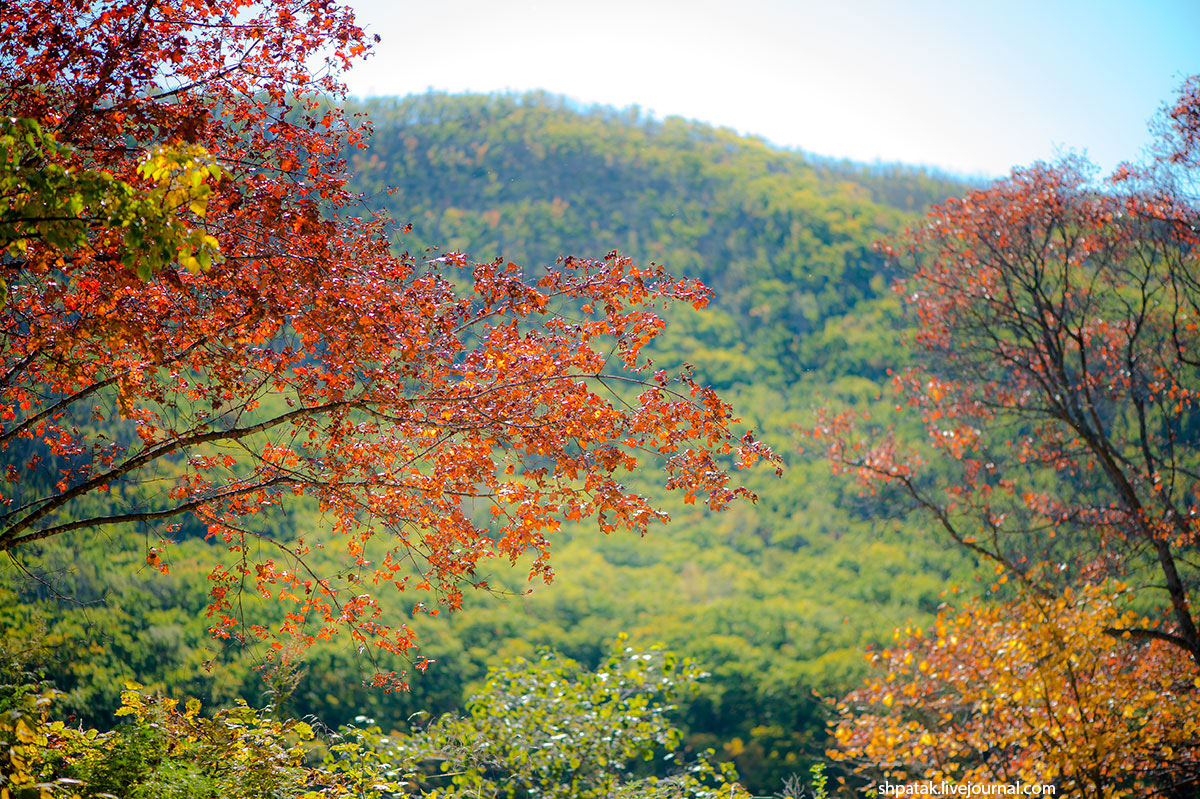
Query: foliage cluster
1033	691
535	729
445	412
44	198
549	728
162	751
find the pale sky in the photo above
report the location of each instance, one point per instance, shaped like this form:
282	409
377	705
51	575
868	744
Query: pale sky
973	87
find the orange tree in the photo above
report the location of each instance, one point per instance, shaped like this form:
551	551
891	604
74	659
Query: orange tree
240	335
1057	346
1030	691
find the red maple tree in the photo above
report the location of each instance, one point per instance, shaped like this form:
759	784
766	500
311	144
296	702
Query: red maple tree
1060	390
1057	346
409	397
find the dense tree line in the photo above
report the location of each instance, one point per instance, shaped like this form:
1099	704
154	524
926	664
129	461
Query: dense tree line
783	238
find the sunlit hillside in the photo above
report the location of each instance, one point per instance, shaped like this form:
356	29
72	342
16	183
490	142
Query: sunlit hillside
776	598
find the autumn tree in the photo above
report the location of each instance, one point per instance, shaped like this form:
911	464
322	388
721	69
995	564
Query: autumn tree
1029	691
1056	333
438	411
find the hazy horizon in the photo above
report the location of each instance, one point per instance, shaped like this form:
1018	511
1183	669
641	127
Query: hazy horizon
971	90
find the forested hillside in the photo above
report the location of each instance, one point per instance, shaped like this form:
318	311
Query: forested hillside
784	239
774	599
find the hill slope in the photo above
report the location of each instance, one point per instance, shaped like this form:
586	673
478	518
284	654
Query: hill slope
784	239
774	599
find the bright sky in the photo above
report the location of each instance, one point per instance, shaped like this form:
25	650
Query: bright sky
972	86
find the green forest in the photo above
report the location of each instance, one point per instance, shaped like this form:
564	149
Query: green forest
464	445
775	600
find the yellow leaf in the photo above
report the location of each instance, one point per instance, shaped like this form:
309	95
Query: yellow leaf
24	734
